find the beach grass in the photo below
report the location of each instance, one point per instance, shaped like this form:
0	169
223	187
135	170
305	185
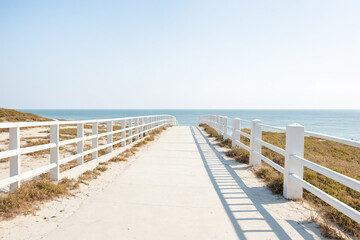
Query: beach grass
26	199
336	156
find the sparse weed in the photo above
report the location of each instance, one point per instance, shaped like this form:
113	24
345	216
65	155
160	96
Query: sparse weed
336	156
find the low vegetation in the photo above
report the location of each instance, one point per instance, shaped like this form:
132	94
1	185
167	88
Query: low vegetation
11	115
239	154
26	199
336	156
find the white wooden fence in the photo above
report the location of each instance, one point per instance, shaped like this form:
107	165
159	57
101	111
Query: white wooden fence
294	157
131	127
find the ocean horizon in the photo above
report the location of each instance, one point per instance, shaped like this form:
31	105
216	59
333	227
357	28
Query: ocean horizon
341	123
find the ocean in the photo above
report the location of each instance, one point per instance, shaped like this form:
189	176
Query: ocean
341	123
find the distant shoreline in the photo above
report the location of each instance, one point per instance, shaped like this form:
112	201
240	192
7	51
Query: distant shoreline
343	123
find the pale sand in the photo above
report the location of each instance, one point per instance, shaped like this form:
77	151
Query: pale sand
29	162
50	214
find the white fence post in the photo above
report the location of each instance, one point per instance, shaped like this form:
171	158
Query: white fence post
225	131
145	127
130	130
152	123
80	144
109	138
294	146
137	128
217	125
54	152
14	137
255	146
142	128
95	142
235	126
221	125
123	133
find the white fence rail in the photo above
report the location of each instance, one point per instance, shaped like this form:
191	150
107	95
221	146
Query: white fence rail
294	157
131	127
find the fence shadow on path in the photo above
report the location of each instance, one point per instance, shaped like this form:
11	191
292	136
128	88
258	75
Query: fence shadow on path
244	208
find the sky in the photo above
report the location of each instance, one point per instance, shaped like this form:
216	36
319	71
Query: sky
181	54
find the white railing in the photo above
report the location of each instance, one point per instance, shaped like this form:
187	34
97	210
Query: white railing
294	157
131	128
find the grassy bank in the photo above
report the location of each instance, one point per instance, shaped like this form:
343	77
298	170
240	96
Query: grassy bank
336	156
11	115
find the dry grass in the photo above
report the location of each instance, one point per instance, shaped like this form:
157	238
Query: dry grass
35	142
11	115
116	127
140	144
104	163
68	165
274	180
149	139
89	175
101	168
225	143
212	132
118	159
4	160
327	230
102	152
68	131
41	141
336	156
239	154
25	199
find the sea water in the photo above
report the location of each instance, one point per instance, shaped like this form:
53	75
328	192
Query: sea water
341	123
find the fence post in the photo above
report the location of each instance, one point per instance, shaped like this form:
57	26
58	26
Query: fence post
235	126
221	125
137	128
145	127
54	152
255	160
217	126
80	144
95	140
130	130
123	133
225	125
14	135
152	123
143	121
294	146
109	138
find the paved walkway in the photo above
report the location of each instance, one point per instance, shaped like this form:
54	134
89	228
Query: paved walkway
179	189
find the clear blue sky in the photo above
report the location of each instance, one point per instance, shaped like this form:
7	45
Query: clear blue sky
180	54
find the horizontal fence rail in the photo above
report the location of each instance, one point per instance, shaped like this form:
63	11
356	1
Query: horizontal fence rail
131	128
294	157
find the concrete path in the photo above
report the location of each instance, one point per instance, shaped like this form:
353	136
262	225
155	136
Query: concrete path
179	189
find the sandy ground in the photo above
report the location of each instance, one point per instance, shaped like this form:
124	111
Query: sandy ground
36	160
272	216
51	214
